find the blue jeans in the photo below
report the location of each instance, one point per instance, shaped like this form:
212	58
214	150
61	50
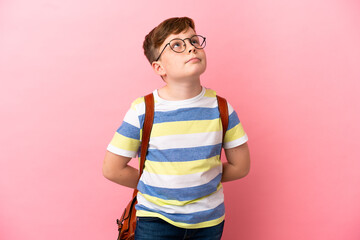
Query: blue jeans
153	228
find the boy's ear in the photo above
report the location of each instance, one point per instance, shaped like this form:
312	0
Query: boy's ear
158	68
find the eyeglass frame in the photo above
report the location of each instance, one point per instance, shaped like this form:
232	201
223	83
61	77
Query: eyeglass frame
184	43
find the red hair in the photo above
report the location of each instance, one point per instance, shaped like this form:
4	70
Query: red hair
157	36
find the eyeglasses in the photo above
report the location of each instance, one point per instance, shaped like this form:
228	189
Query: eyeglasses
178	45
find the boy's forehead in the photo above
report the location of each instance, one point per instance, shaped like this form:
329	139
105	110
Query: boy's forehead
185	34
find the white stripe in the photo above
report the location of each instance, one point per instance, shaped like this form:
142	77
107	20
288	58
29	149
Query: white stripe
121	152
185	140
131	117
140	108
161	107
230	109
180	181
204	204
203	102
206	102
236	142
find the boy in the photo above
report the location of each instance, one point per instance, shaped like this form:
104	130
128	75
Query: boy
180	192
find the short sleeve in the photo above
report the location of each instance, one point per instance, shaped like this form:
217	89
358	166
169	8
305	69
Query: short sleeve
235	134
126	140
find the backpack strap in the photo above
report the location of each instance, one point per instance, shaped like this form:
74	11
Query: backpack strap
148	122
224	114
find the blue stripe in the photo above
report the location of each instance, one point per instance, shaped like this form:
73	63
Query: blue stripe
141	120
180	194
191	114
185	114
183	154
191	218
233	120
129	131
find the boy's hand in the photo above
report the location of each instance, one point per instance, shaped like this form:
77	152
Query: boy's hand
238	163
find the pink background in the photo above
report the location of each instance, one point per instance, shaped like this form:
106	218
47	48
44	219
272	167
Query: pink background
70	69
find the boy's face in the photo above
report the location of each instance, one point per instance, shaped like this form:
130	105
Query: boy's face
185	65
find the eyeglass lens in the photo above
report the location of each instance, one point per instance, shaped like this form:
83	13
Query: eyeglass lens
179	45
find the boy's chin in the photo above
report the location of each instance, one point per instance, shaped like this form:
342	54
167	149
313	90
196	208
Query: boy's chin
196	72
193	75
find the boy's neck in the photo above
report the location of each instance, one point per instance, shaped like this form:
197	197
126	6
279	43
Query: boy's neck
180	91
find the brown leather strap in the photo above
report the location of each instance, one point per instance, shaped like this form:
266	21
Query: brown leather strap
148	122
224	114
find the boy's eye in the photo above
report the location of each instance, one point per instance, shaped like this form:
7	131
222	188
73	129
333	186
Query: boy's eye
176	44
195	41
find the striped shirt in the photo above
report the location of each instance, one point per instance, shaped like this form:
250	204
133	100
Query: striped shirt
181	181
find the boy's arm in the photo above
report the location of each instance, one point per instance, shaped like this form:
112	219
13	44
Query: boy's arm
115	169
238	163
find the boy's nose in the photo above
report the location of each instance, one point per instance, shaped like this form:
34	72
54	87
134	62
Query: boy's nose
191	48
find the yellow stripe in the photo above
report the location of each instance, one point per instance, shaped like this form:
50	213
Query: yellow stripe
185	127
210	93
182	168
125	143
141	134
234	133
142	213
162	202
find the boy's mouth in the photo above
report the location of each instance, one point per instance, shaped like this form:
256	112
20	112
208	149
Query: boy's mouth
194	59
